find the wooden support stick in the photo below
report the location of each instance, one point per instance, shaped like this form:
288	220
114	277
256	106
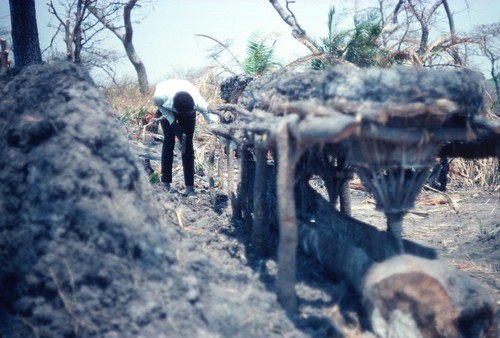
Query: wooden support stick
220	166
287	251
211	171
4	54
245	185
260	231
230	170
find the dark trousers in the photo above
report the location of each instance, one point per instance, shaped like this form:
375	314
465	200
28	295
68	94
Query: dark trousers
182	124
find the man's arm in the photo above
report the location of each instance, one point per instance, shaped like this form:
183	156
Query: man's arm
209	117
164	105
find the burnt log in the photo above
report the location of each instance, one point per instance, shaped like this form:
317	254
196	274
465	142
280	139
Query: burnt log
339	231
408	296
404	295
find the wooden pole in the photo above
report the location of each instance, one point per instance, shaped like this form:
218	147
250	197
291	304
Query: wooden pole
230	170
260	231
211	169
246	185
220	166
287	251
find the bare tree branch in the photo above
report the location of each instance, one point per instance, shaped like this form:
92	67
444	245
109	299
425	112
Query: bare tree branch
451	22
297	31
103	15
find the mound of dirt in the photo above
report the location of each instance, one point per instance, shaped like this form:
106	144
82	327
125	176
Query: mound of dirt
84	250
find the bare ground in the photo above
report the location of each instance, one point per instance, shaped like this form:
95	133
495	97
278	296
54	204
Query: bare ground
463	225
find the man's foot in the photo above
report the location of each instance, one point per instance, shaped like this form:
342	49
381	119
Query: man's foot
190	193
167	186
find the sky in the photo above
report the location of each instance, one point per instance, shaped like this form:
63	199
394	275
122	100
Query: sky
166	38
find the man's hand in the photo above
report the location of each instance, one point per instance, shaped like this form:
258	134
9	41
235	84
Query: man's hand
213	118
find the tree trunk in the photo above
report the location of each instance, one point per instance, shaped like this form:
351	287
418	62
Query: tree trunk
297	31
140	69
24	33
68	39
77	32
126	39
451	22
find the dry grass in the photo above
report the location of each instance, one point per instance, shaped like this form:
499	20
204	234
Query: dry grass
483	173
208	84
126	101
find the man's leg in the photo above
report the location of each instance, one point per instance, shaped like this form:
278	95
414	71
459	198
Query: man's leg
188	125
167	152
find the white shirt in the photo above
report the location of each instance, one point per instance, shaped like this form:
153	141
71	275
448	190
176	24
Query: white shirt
164	98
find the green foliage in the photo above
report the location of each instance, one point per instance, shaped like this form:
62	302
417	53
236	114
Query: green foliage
333	44
363	49
359	45
154	178
135	115
260	56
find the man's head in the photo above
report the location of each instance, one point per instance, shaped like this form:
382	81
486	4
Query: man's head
183	103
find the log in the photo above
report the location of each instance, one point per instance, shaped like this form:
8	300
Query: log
346	248
404	295
336	231
408	296
325	129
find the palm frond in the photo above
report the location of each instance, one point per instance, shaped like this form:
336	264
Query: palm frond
260	58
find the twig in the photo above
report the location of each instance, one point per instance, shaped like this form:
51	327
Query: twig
153	121
224	46
65	301
33	328
178	213
453	204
